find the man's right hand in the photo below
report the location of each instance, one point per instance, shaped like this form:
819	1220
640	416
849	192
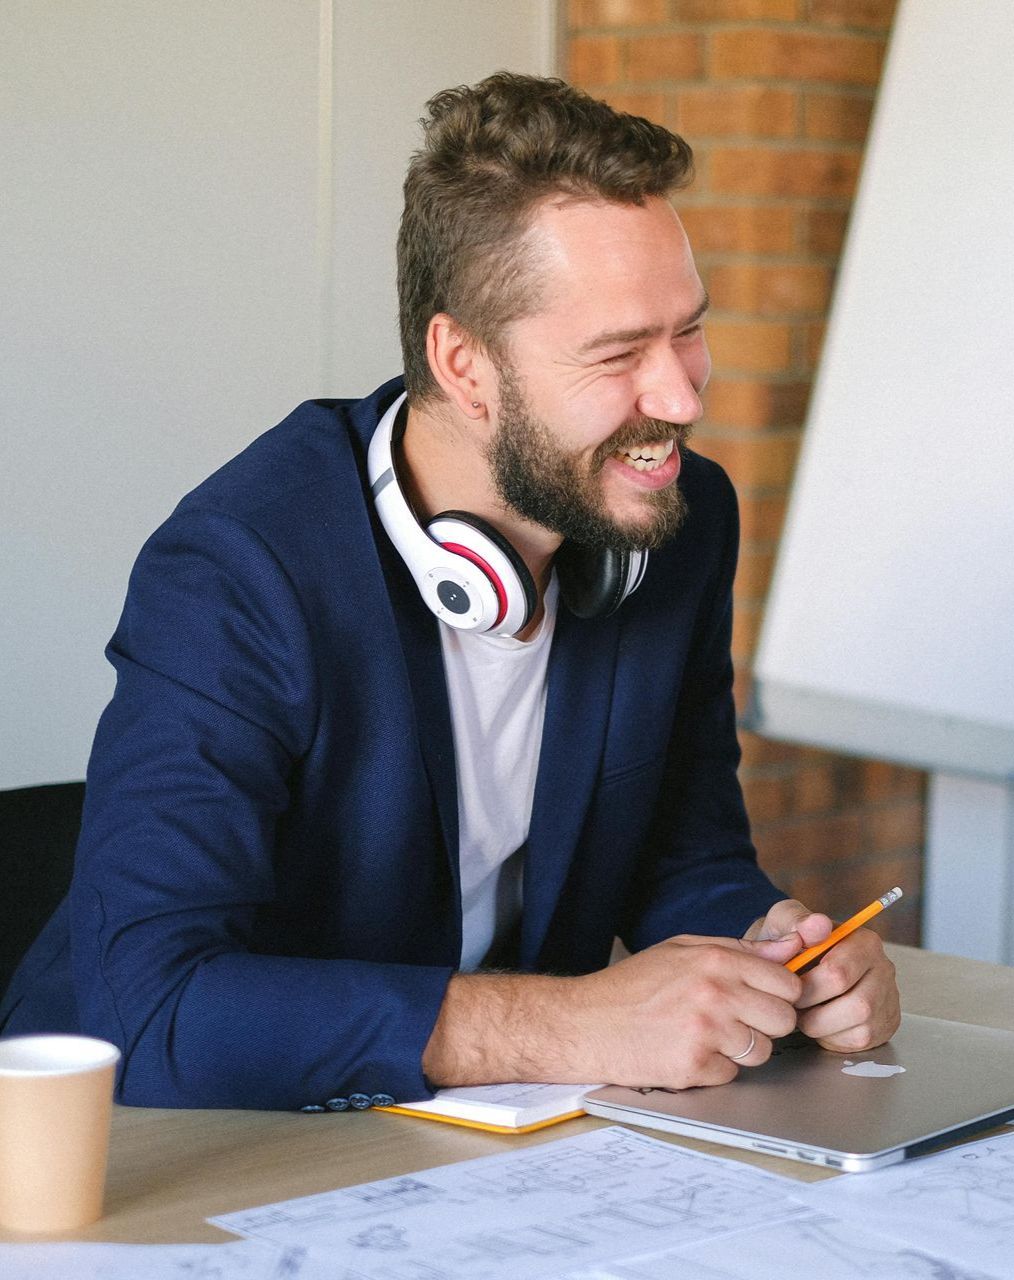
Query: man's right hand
671	1016
676	1014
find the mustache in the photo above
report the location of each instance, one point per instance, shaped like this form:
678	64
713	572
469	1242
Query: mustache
641	431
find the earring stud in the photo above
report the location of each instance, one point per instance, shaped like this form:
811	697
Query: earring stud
475	404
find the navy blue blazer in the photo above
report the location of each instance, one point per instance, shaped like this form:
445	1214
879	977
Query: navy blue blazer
265	909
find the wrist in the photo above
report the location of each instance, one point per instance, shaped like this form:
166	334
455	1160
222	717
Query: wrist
498	1027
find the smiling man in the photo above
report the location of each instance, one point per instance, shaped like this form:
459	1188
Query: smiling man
425	698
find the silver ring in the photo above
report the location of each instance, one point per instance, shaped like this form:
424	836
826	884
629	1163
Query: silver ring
738	1057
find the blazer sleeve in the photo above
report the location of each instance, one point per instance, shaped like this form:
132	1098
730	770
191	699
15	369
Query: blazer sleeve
698	871
215	703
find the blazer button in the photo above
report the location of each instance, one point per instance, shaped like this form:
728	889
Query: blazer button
382	1100
337	1104
359	1101
313	1109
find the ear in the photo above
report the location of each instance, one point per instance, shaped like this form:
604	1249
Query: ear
460	365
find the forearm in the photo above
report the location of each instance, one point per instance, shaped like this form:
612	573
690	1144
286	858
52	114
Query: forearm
500	1027
670	1016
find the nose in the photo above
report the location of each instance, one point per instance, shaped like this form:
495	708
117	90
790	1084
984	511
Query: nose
672	383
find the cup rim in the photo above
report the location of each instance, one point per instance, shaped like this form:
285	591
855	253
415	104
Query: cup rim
95	1055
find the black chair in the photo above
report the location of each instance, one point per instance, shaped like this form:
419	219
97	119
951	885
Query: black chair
38	831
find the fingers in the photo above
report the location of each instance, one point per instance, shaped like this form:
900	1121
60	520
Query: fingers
850	1000
790	916
842	967
754	1048
758	964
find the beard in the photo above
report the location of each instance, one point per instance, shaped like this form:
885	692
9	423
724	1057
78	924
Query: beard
544	484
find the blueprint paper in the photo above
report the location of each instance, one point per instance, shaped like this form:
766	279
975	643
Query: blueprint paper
246	1261
958	1204
538	1212
814	1244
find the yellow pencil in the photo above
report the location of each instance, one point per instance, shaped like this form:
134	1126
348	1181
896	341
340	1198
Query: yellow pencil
811	953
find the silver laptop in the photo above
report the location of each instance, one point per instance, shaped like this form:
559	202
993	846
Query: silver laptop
933	1082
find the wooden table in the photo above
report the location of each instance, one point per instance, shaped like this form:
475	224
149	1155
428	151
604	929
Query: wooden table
169	1170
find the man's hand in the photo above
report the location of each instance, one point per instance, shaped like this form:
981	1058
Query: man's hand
689	1011
850	998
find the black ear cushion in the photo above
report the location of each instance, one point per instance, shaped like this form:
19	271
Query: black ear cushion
592	582
496	537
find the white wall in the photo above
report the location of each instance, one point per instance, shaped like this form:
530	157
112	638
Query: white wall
197	231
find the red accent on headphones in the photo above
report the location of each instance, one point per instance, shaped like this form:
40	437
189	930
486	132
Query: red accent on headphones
495	583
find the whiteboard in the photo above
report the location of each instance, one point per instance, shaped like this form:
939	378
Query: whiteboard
890	626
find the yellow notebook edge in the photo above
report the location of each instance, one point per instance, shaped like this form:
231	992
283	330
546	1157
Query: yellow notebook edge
479	1124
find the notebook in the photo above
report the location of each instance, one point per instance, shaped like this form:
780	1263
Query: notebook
501	1108
933	1082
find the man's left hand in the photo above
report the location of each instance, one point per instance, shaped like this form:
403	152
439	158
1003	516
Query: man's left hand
850	997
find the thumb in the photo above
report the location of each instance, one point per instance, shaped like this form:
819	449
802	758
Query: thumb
778	950
790	916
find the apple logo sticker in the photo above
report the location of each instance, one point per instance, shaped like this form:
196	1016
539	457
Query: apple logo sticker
875	1069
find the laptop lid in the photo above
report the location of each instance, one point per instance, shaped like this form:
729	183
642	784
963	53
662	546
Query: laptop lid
933	1081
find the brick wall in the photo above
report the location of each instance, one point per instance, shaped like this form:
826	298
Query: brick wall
775	98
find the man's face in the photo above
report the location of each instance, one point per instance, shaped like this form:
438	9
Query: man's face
552	487
601	385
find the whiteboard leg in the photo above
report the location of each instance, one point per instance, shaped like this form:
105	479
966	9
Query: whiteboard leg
969	888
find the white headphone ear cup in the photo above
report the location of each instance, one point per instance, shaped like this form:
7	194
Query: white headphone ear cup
488	553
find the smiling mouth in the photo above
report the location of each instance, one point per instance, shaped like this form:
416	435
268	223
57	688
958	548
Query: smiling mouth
646	457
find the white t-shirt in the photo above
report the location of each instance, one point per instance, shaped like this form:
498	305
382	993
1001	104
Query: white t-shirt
497	691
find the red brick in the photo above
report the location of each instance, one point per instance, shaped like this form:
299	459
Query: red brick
759	53
741	228
869	15
652	106
883	781
788	289
753	462
836	117
766	54
763	171
759	752
841	891
753	576
811	841
813	789
741	685
751	110
731	10
901	826
761	519
767	798
664	57
593	60
752	405
746	620
753	346
615	13
813	342
824	230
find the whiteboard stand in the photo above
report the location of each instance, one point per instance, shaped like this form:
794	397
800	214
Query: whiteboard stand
969	886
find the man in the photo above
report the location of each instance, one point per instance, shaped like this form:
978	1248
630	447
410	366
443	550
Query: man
337	851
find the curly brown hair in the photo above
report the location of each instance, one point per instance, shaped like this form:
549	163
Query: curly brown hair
491	153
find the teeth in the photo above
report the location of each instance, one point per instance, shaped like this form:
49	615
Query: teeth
646	457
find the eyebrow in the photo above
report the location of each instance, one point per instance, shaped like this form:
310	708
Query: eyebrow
617	337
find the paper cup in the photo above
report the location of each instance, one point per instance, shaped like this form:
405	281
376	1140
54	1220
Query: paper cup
56	1094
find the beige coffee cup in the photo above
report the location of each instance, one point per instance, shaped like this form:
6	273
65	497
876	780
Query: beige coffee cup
56	1094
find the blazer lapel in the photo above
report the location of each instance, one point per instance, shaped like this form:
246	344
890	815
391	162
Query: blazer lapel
420	642
581	671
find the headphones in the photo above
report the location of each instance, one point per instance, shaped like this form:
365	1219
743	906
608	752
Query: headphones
469	574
